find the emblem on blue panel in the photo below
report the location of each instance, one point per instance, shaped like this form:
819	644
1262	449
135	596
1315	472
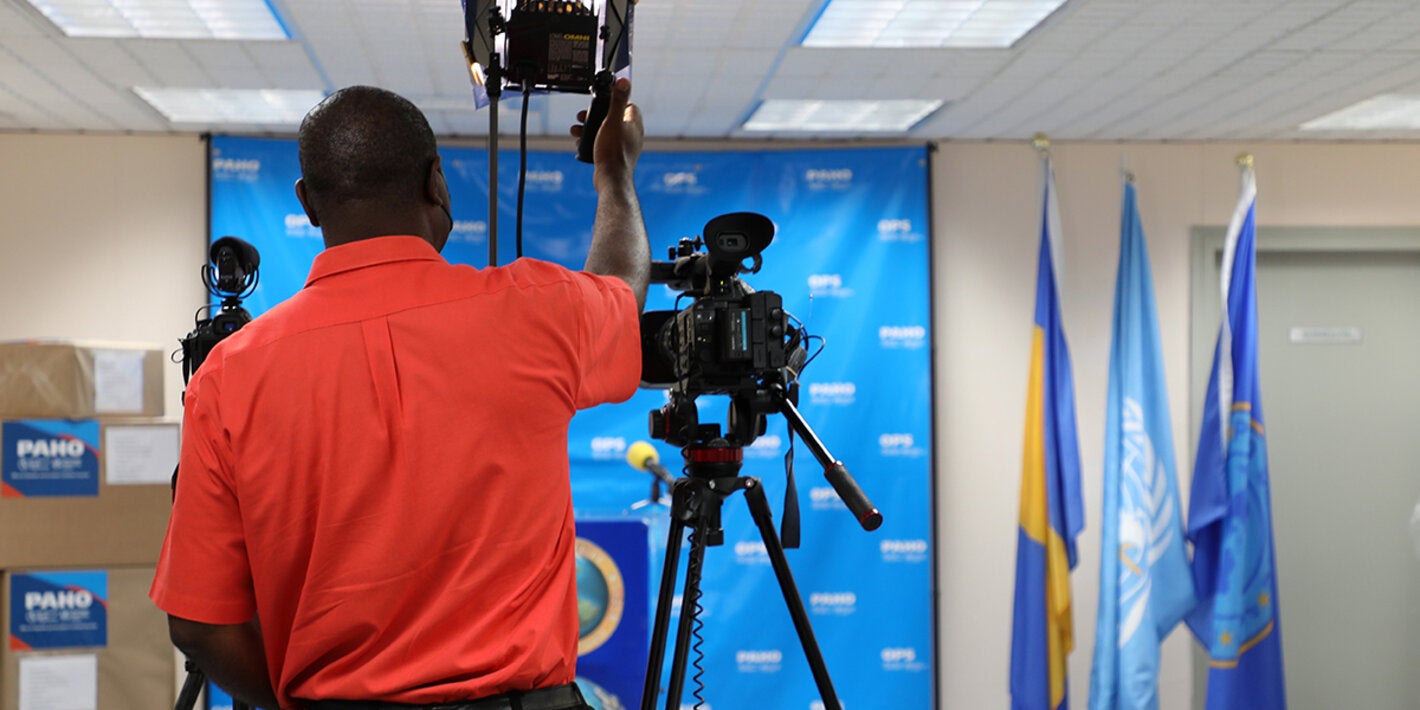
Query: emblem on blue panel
601	596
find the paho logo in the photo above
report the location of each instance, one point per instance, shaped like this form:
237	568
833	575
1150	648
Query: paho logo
545	180
902	337
243	169
903	550
765	447
36	456
832	393
828	286
298	226
833	603
759	661
829	179
825	498
897	230
50	448
58	600
901	444
751	553
901	659
469	231
607	448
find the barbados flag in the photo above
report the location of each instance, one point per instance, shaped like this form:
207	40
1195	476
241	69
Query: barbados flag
1052	513
1230	511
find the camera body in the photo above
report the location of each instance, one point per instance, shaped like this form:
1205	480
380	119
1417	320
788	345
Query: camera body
730	340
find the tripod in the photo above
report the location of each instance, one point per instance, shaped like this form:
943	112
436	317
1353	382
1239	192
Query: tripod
192	687
696	501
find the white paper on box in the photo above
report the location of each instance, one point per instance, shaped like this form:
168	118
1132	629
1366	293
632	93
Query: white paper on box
140	454
59	682
118	381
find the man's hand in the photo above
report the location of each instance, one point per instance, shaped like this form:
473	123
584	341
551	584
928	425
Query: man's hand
619	244
619	140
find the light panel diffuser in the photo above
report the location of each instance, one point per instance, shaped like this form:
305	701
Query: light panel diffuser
927	23
845	116
262	107
165	19
1378	113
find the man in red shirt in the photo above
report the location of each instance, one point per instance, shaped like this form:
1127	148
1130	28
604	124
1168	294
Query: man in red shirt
373	508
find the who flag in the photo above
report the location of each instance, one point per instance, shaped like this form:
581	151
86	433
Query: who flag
1230	510
1052	512
1146	586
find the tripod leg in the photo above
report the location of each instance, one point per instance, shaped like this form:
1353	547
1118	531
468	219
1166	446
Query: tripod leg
689	602
191	687
759	508
661	625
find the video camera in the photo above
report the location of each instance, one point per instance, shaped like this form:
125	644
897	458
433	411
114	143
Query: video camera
231	275
731	340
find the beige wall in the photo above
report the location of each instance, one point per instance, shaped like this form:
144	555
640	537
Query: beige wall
102	236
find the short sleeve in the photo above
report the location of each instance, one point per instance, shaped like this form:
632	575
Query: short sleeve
609	340
203	572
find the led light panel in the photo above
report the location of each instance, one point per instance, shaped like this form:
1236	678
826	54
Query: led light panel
165	19
927	23
232	106
851	116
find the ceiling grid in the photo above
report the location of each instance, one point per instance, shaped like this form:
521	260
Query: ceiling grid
1104	70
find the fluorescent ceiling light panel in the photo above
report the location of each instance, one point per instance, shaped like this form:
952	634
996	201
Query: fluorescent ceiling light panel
801	116
1378	113
264	107
165	19
927	23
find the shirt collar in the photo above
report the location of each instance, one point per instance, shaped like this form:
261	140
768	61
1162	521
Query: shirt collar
370	252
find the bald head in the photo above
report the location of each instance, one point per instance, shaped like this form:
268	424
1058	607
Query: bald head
367	151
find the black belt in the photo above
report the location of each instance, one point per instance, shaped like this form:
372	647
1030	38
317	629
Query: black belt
562	697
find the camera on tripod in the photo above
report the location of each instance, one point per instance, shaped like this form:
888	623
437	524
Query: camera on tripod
735	341
731	340
231	275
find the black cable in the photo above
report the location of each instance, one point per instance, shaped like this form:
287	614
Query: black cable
697	650
522	165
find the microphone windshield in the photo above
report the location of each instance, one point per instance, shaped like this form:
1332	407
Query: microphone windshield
248	259
642	455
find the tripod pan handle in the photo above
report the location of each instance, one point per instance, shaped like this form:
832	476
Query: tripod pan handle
853	496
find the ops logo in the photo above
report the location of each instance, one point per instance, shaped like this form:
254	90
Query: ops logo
605	448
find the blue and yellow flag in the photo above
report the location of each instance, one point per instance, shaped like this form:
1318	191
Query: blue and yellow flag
1230	510
1146	586
1052	513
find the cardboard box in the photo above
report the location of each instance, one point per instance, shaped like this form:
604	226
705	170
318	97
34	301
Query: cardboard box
80	379
122	523
133	669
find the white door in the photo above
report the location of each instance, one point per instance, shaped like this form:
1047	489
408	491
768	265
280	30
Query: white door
1339	351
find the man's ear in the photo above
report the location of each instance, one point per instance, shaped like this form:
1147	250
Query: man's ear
436	186
306	205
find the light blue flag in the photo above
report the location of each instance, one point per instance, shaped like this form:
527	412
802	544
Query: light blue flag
1230	509
1146	586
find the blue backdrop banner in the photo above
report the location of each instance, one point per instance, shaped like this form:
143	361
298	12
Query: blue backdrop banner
851	260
